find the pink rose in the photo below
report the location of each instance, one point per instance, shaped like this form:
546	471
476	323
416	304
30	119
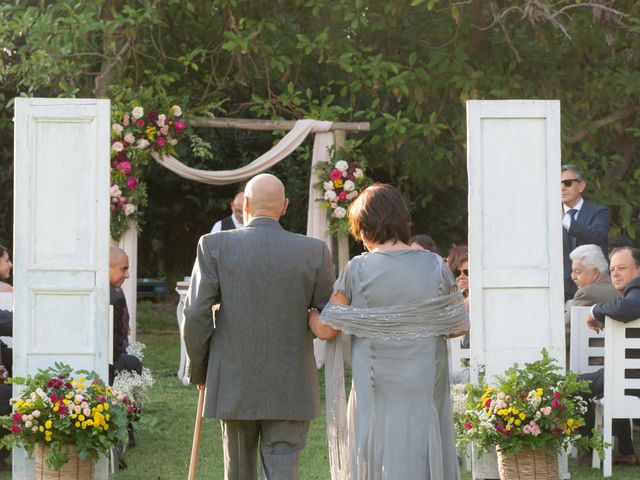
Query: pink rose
140	122
161	142
125	120
468	426
179	126
132	183
125	167
117	146
16	417
342	196
335	174
16	429
113	207
164	130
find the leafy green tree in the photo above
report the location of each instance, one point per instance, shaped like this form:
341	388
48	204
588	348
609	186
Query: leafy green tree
406	66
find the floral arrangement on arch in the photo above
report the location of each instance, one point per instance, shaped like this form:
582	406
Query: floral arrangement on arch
341	181
55	409
531	407
134	135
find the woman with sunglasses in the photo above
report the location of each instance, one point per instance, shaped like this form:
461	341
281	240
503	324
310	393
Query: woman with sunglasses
5	270
399	305
460	269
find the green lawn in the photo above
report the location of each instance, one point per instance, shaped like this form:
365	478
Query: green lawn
164	453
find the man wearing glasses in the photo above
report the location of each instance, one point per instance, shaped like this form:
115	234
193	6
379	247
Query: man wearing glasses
583	222
235	219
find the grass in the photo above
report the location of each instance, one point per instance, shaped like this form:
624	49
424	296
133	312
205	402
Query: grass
164	454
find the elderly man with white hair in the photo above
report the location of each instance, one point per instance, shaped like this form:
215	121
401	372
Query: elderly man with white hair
590	273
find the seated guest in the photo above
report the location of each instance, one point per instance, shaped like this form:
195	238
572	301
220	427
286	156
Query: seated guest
118	273
625	278
5	270
460	268
590	273
423	242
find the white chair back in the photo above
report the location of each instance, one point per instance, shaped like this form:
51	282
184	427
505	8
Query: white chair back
586	350
621	379
458	355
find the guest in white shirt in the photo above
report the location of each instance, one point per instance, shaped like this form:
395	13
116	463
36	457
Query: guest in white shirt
235	219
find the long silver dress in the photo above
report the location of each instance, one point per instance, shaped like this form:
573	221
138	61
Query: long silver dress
399	414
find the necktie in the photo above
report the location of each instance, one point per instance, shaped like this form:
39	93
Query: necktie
572	213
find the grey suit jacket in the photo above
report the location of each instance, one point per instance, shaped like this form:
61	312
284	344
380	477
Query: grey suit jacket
598	292
258	361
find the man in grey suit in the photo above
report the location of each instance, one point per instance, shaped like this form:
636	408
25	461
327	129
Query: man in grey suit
257	360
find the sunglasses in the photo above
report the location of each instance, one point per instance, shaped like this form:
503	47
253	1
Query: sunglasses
457	272
569	181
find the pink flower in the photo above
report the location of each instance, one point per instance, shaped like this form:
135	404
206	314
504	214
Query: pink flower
500	428
556	405
16	417
117	146
546	411
487	404
161	119
113	207
526	429
342	196
468	426
335	174
179	126
535	429
161	142
53	398
140	122
164	129
132	183
16	428
125	120
125	167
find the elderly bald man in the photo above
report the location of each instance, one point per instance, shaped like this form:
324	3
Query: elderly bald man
257	359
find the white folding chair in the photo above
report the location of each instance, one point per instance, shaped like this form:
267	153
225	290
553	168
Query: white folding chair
621	382
586	350
459	358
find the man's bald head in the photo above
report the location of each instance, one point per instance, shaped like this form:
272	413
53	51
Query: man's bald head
118	266
236	206
264	196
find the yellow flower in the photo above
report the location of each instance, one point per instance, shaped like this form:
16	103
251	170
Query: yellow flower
515	411
81	417
338	183
106	426
539	392
48	424
56	407
508	427
106	406
511	419
77	424
517	422
522	416
41	428
151	131
100	408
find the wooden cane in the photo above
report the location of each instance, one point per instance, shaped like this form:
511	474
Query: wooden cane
196	434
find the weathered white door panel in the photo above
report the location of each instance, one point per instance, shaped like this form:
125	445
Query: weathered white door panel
515	237
61	236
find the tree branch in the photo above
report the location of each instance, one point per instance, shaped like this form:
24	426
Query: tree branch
606	120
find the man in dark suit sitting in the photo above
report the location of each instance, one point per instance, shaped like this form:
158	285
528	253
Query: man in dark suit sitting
118	273
625	277
583	222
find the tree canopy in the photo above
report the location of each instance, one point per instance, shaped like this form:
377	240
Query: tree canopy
407	66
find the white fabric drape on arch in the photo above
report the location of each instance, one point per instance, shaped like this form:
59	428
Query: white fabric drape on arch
317	222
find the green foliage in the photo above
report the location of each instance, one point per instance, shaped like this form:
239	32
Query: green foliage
405	66
530	407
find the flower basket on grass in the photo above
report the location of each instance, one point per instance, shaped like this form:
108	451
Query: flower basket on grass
66	420
529	415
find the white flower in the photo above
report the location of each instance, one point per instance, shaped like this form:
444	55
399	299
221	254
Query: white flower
342	166
136	349
129	208
173	141
161	119
143	143
129	138
358	173
334	204
115	191
41	393
339	212
137	113
330	195
133	386
328	185
34	429
117	146
349	186
35	413
176	111
87	412
27	424
546	411
352	195
116	127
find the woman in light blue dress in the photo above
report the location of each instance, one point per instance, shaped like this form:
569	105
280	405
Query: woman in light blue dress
399	305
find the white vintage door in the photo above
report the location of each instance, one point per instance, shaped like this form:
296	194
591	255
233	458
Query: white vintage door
61	229
515	237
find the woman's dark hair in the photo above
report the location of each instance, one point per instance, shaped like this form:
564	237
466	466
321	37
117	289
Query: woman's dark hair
425	241
455	251
379	214
457	261
3	251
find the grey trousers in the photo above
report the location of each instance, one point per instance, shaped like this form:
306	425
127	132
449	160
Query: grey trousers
279	442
